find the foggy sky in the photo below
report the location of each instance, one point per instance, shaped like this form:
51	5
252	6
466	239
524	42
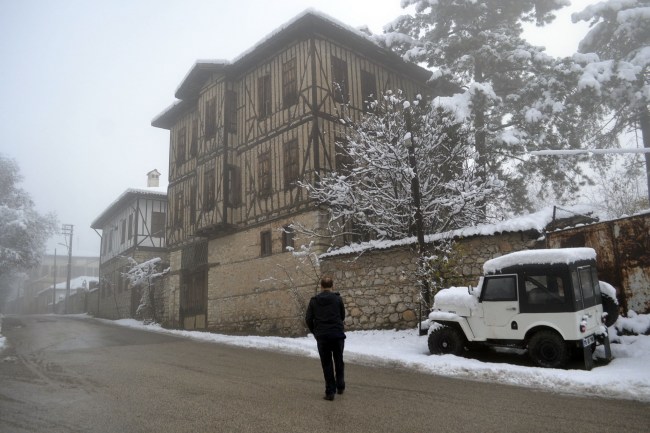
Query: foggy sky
81	81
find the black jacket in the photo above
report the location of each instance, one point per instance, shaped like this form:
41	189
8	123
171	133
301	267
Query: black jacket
325	315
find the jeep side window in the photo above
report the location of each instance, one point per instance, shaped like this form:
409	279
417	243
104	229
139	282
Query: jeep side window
499	288
587	285
577	292
544	289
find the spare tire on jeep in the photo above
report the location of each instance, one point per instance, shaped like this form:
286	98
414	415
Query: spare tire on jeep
610	304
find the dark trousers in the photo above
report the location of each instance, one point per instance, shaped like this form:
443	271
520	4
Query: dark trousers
330	351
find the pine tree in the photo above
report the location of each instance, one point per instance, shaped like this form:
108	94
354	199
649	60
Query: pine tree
515	96
616	66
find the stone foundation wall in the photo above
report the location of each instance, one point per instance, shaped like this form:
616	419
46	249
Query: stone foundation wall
380	287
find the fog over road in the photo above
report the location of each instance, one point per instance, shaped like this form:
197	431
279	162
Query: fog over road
72	374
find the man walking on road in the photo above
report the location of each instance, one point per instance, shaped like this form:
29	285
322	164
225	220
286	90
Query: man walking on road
325	315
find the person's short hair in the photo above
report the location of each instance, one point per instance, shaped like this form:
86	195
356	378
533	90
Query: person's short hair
326	282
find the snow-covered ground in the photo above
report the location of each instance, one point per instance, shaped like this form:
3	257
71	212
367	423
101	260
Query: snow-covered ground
627	376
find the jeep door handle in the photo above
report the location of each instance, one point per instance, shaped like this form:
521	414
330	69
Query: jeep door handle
511	309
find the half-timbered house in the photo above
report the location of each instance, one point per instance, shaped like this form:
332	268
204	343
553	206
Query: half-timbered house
242	134
132	226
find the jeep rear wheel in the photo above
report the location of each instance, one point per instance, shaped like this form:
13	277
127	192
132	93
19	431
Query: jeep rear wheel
445	340
548	349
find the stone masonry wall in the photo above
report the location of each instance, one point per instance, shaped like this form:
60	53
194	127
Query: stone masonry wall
379	287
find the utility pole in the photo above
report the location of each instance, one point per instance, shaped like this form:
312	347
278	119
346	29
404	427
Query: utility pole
67	230
54	284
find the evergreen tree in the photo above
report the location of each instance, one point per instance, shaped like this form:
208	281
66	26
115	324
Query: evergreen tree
515	97
615	66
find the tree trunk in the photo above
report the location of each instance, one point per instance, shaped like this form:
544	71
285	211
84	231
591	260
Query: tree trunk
645	134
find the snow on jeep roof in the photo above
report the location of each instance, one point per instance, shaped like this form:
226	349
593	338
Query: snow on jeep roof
535	257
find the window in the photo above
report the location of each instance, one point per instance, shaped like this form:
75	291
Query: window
210	118
544	289
234	185
291	165
158	224
231	111
265	172
130	226
289	83
209	185
180	145
192	205
123	232
343	160
500	288
265	242
194	140
288	234
179	207
368	90
340	79
264	95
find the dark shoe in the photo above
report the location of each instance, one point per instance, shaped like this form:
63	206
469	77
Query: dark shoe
329	397
340	390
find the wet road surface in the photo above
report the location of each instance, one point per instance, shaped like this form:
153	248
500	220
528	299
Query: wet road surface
73	374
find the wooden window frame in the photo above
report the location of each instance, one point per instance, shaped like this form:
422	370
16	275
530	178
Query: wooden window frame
368	90
340	83
158	224
289	83
234	185
264	173
194	139
209	189
266	243
264	96
230	111
130	229
179	208
210	126
181	145
291	163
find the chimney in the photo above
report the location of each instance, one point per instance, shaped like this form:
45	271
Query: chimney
153	179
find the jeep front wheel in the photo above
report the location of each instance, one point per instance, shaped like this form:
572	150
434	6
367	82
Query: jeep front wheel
445	340
548	349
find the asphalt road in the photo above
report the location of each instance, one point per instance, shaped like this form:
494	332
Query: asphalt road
69	374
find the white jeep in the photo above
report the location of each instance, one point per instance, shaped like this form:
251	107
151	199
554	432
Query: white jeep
546	301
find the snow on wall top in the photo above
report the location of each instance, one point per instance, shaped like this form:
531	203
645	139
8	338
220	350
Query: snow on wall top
535	221
534	257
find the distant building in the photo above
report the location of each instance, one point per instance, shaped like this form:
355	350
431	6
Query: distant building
53	269
242	134
132	226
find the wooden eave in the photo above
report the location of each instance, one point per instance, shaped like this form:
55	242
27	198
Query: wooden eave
127	196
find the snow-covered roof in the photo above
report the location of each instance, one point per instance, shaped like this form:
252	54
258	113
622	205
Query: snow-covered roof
537	221
542	257
75	283
309	21
131	193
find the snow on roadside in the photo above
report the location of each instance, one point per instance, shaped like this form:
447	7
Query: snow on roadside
625	377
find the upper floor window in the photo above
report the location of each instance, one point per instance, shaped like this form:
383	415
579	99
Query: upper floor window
289	83
231	111
209	186
179	208
340	80
210	118
192	205
158	224
264	95
291	164
130	226
264	173
123	232
194	139
234	185
181	143
368	90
